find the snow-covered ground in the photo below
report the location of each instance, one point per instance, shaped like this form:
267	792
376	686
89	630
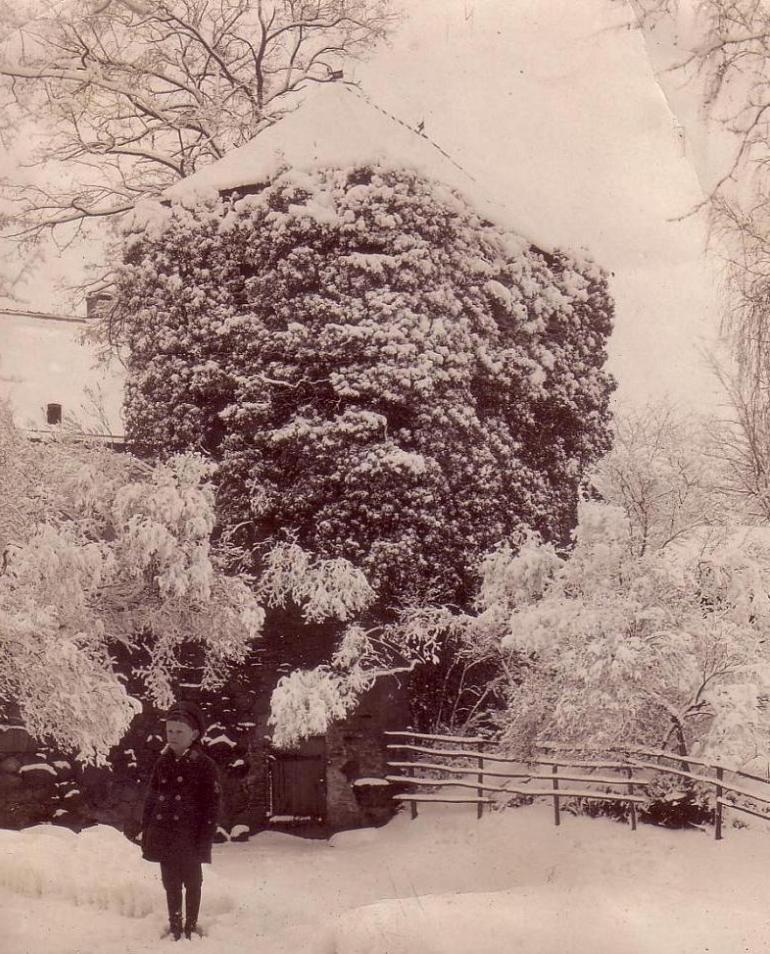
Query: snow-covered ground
443	884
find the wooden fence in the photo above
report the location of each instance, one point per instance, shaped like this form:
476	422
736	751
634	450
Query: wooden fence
460	763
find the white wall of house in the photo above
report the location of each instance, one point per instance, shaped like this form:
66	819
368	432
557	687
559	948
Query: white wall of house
47	359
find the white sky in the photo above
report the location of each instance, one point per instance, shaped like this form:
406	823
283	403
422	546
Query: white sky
554	103
554	106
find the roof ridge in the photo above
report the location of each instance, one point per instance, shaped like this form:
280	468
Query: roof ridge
43	315
356	90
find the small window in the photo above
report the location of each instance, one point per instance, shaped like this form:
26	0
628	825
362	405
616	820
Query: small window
53	413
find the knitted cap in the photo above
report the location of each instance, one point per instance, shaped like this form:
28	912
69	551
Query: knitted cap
188	713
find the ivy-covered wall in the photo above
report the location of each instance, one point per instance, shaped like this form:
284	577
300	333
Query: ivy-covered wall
379	373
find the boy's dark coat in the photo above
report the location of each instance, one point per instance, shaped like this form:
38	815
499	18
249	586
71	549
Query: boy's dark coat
181	807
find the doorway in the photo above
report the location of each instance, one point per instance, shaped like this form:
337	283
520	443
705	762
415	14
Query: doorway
297	787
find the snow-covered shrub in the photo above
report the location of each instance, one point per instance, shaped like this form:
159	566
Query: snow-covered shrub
678	803
305	702
104	553
379	373
611	646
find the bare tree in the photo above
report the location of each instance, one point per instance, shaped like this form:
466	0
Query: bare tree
729	58
127	96
739	444
662	472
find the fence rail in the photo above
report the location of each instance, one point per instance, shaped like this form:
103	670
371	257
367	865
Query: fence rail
633	765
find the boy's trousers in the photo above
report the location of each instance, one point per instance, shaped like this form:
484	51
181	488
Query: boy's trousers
178	870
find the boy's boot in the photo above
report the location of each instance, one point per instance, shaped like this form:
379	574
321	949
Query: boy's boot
192	930
175	926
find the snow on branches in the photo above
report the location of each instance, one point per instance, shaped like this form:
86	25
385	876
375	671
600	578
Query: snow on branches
323	589
109	552
305	702
665	647
671	473
129	97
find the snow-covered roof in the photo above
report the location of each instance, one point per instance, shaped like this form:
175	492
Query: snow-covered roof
40	315
337	126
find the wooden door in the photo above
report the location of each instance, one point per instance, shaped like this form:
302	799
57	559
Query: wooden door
298	786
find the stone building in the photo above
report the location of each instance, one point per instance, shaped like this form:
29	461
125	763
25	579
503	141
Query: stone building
335	781
331	782
51	375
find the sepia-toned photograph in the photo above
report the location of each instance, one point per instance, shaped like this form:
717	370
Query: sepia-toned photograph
385	476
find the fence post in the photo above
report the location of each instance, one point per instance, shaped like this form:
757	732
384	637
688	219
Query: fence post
413	803
718	804
480	780
630	774
556	816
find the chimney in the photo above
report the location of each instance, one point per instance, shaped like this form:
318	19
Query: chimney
96	303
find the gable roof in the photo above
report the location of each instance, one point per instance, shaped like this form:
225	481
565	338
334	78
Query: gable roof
337	126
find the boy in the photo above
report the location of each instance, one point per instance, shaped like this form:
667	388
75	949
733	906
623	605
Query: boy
180	816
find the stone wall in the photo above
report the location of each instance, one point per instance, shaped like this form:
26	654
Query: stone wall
31	789
40	784
357	757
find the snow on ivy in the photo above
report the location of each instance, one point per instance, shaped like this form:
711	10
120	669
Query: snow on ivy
388	379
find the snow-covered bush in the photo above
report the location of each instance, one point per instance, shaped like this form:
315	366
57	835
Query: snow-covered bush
665	648
379	373
305	702
104	553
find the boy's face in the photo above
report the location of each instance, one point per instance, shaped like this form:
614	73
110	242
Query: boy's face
179	736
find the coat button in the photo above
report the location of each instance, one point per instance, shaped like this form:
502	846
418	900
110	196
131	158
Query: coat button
161	798
159	817
179	798
176	817
179	778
